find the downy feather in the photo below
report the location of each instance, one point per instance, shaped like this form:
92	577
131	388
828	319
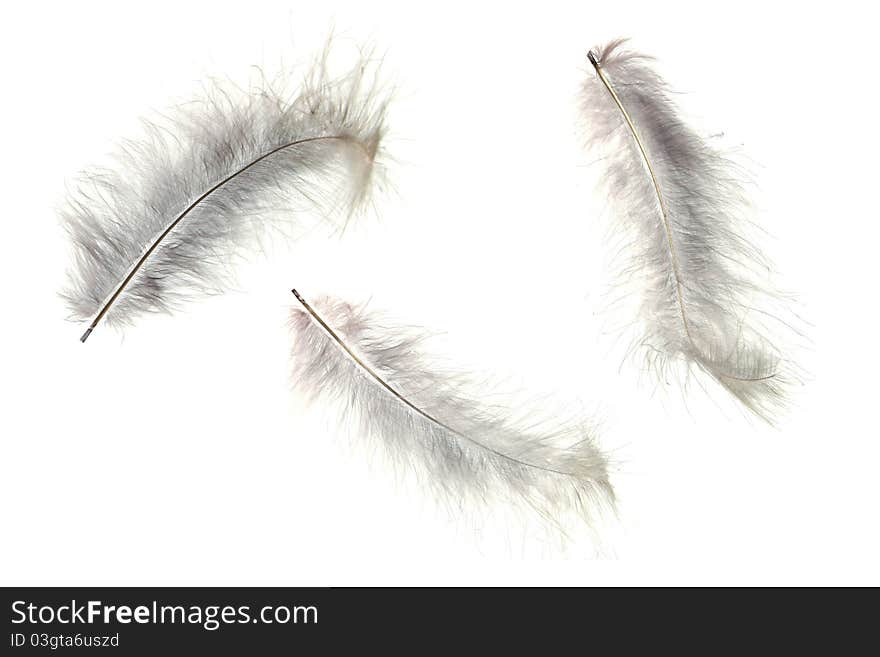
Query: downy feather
706	298
417	412
210	181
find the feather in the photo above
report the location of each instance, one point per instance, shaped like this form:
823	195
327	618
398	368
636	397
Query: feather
387	388
706	300
211	181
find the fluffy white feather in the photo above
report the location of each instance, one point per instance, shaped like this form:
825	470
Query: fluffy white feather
416	411
210	179
706	296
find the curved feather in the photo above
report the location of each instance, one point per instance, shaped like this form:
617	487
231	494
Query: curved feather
704	284
210	181
387	387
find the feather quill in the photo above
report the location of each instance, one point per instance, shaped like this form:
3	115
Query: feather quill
211	181
387	388
705	297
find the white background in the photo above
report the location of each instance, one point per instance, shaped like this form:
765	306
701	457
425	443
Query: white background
180	456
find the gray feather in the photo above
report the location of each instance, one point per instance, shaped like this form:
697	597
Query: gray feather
114	216
706	299
462	449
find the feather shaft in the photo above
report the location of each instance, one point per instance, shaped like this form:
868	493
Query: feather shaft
140	263
422	418
212	180
673	256
388	388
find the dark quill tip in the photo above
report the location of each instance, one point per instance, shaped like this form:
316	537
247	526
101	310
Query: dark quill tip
85	336
300	299
593	59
